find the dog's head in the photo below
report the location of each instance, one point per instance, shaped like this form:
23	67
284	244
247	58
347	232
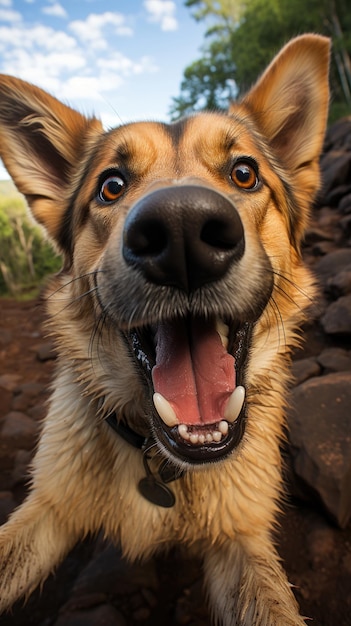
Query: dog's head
182	276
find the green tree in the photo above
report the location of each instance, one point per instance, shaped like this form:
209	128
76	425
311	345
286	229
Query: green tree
242	38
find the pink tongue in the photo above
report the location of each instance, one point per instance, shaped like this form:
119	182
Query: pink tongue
193	371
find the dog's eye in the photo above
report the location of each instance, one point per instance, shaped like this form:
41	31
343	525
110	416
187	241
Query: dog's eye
244	175
111	188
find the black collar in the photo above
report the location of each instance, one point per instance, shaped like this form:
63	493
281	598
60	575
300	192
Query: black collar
153	486
127	433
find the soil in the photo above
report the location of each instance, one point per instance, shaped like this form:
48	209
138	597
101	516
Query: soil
315	554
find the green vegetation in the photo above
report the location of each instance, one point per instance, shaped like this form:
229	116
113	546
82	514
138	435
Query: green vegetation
26	258
244	35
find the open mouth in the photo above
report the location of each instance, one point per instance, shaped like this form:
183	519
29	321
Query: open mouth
194	369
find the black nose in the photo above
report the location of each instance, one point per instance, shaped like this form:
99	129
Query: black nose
183	236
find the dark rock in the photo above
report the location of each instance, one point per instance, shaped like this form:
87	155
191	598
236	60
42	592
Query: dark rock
337	135
19	430
320	436
334	196
321	546
314	234
20	470
335	168
340	284
323	247
304	369
110	574
345	224
104	615
7	505
334	360
46	352
332	264
337	318
345	204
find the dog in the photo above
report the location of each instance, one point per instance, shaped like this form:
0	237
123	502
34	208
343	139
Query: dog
180	299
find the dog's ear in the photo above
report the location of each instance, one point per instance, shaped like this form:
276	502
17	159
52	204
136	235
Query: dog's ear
41	142
290	105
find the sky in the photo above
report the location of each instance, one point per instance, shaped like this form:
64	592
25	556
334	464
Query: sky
121	60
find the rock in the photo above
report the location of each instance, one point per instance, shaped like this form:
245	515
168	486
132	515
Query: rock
9	381
108	573
340	284
334	360
345	204
20	471
304	369
321	546
332	264
320	436
26	396
345	224
337	318
335	168
46	352
19	430
104	615
7	505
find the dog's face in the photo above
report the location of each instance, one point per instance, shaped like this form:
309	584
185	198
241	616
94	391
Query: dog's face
181	242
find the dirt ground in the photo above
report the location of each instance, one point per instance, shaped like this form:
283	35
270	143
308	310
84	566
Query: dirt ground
316	554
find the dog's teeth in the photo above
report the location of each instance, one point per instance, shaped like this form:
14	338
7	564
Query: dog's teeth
235	404
217	436
183	431
165	411
223	427
194	438
223	331
209	438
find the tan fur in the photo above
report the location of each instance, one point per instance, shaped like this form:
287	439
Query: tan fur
84	475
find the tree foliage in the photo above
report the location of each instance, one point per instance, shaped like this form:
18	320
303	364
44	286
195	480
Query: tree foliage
244	35
25	256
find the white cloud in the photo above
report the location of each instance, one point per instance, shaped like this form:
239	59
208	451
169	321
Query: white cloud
118	62
55	10
6	3
66	66
7	15
95	29
163	13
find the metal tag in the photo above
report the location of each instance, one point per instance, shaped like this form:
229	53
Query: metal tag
156	492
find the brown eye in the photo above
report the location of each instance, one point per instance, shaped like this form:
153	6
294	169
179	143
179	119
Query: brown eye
244	175
111	188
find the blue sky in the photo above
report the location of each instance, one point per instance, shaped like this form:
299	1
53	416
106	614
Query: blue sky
120	59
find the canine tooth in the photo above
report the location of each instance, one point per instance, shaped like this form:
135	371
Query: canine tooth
209	438
223	427
165	411
223	331
235	404
217	436
183	431
194	438
202	439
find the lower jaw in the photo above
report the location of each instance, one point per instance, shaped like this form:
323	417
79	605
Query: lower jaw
187	453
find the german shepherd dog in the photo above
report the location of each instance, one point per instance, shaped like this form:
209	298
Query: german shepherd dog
174	316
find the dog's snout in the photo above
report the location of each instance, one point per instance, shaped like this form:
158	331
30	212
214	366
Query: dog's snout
183	236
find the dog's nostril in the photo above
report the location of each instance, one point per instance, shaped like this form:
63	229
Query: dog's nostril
148	237
220	234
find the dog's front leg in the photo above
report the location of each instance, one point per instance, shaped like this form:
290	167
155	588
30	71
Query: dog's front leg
247	586
32	543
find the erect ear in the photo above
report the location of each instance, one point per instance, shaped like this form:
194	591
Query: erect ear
41	142
290	106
